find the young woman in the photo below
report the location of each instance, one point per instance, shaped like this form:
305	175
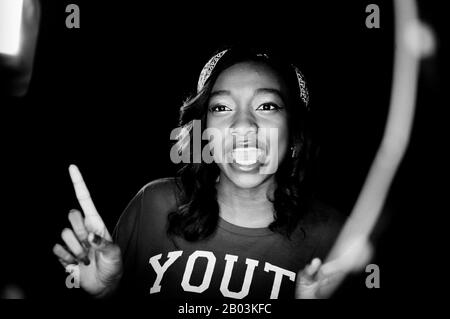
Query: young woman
243	225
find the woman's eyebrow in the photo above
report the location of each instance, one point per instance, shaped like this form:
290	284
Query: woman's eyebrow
257	91
270	91
220	92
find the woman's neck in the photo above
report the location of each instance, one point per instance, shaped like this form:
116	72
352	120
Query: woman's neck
245	207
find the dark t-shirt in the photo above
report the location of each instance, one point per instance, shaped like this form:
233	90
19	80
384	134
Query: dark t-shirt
234	262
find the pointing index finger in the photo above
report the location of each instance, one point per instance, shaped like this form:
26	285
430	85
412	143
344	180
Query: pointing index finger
82	193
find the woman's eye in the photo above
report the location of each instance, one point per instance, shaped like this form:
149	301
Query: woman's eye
219	108
268	107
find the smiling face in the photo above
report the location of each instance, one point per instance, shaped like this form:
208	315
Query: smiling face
248	99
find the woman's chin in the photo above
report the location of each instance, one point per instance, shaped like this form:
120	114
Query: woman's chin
245	175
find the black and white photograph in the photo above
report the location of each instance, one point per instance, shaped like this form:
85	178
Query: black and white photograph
221	159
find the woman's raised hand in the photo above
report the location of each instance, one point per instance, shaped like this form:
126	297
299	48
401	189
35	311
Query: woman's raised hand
89	245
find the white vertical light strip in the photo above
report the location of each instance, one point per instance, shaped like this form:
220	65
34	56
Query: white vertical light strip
413	41
10	26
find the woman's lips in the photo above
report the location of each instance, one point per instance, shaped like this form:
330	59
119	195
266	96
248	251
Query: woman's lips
247	159
245	168
247	156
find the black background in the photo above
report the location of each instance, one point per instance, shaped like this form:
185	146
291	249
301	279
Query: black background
106	96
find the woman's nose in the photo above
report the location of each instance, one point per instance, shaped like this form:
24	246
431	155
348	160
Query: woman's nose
244	122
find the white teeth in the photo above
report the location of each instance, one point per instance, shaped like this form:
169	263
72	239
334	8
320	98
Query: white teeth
246	155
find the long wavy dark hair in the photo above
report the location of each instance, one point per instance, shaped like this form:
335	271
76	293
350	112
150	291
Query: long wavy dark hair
198	213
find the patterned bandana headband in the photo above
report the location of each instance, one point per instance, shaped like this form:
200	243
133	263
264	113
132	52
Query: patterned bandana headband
209	67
